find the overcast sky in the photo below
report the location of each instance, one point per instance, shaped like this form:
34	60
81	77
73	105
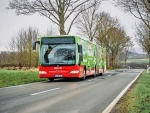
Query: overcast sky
10	23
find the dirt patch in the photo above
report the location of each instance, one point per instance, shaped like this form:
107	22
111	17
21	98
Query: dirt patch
34	69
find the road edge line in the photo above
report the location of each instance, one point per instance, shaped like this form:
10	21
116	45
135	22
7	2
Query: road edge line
113	103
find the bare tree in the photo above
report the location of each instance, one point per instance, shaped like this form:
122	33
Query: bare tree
87	23
60	12
12	48
117	42
112	36
31	36
139	8
51	31
23	47
104	24
126	51
143	38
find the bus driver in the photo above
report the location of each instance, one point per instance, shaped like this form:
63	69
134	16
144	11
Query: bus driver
47	53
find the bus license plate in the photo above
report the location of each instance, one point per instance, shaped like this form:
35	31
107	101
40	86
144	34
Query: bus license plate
58	75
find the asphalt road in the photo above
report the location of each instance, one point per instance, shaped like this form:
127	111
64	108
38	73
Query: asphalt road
66	95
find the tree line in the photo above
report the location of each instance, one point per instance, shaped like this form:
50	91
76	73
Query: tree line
96	26
139	9
20	52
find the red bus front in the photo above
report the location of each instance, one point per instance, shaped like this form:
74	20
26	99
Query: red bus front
59	58
52	72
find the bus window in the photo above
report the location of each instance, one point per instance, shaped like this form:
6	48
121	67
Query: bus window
57	54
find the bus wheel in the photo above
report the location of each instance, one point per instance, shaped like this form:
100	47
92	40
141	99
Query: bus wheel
51	79
84	76
101	73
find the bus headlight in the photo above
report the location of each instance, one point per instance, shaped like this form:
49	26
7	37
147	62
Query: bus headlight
42	72
74	72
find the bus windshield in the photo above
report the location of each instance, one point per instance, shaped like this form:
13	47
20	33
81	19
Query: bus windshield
58	54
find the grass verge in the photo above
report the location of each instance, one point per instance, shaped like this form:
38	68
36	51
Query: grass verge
17	77
137	99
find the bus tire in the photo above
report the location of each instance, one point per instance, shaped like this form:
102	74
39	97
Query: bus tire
100	74
51	79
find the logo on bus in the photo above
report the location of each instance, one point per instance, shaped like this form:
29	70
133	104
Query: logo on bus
57	67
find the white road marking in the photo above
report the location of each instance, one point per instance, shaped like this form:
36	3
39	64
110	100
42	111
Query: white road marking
109	75
44	91
91	79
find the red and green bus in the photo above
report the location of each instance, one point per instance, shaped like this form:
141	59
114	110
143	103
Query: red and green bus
90	59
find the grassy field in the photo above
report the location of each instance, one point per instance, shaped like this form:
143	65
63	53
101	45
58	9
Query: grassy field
139	61
17	77
137	100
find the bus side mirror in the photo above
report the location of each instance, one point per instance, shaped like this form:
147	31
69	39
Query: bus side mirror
34	44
